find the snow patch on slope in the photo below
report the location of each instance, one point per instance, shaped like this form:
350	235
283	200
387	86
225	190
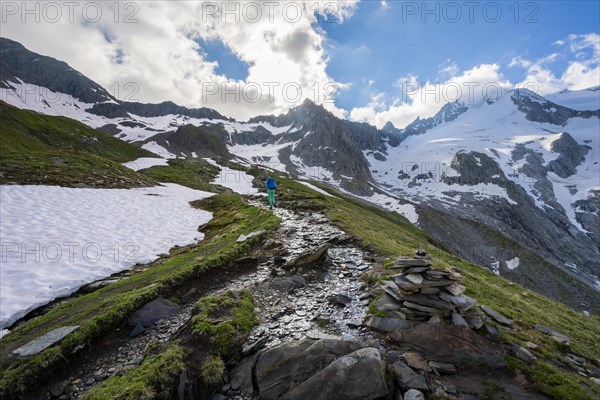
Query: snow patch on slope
57	239
145	162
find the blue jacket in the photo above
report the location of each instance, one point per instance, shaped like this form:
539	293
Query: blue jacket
270	184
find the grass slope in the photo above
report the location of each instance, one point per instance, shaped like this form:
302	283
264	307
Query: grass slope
41	149
392	235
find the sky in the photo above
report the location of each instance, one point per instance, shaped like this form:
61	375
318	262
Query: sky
371	60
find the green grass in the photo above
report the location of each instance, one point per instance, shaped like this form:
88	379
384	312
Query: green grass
41	149
223	318
211	372
154	379
106	309
390	234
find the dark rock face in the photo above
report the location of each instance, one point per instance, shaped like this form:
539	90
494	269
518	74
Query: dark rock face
538	109
314	369
571	155
205	141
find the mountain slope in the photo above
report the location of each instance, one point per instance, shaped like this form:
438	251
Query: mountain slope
37	148
524	166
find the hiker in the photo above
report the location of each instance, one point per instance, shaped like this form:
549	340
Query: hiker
271	187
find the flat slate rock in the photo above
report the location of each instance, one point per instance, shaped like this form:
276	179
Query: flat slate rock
153	312
409	379
43	342
416	361
497	316
389	324
309	256
449	344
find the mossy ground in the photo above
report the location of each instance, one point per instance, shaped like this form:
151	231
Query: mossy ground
151	380
223	318
102	311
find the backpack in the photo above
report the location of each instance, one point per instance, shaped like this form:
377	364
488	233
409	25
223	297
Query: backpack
271	184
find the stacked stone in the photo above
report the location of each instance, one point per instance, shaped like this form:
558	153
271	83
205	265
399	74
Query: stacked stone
418	293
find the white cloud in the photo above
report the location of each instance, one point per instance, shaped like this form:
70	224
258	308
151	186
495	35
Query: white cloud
580	73
425	99
160	52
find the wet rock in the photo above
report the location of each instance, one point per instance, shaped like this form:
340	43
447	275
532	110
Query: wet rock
448	343
501	319
243	238
389	324
240	378
413	394
137	330
309	257
42	343
409	379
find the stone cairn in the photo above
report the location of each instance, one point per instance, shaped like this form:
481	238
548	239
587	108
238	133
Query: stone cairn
419	293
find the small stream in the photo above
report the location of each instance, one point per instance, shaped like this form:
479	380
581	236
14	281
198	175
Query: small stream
322	299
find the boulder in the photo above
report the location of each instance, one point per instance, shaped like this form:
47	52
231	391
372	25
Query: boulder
359	375
448	343
501	319
43	342
289	283
409	379
283	367
309	256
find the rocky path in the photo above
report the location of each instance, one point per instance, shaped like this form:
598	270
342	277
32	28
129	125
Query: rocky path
324	298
